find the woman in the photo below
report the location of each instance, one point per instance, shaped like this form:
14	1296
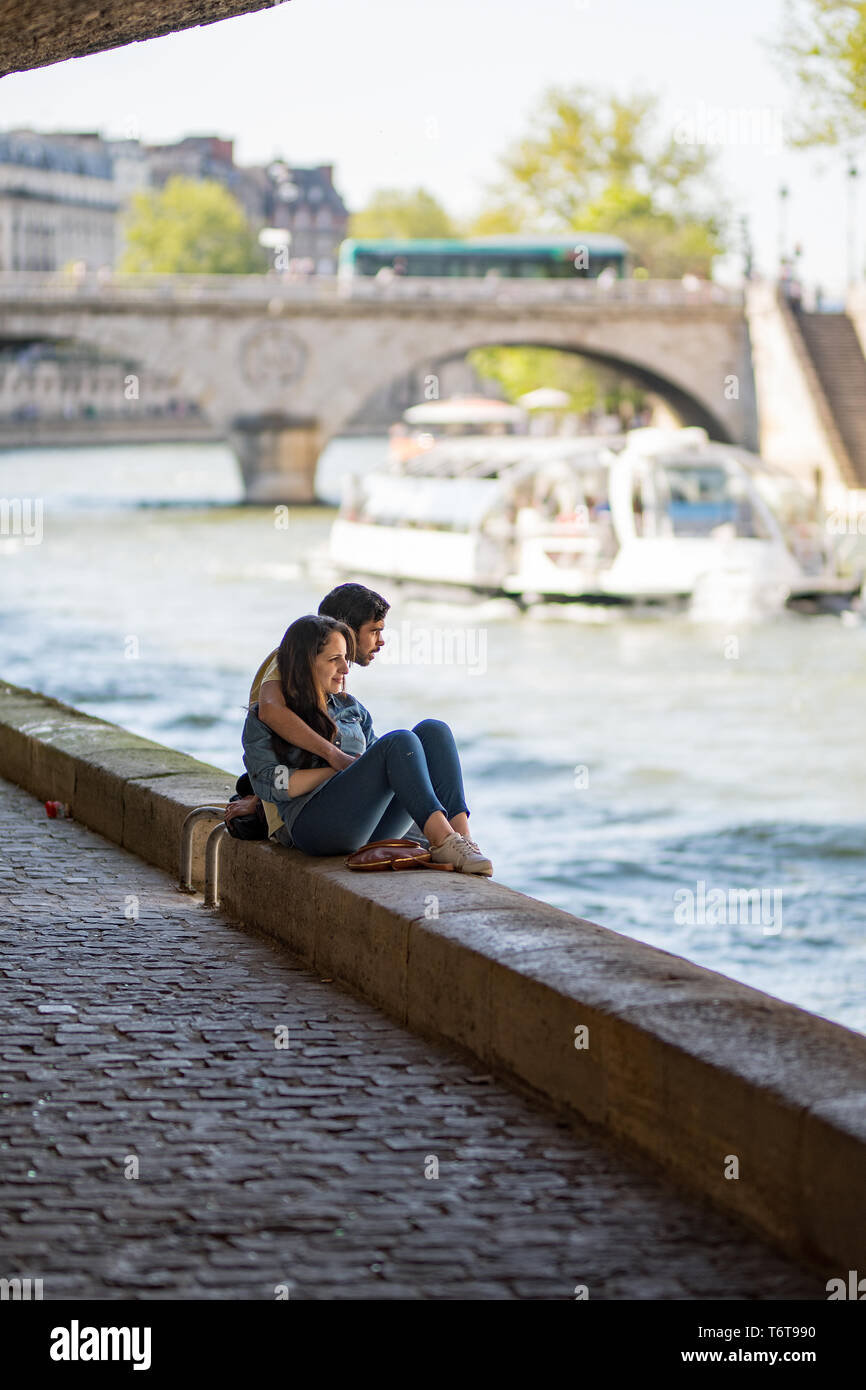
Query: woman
401	777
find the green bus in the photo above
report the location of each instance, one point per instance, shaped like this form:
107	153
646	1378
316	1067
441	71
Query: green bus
582	255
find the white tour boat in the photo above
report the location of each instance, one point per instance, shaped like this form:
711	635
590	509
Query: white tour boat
654	515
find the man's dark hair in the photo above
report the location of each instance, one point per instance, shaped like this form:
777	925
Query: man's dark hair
353	604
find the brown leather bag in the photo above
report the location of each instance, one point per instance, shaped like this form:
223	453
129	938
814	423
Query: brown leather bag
392	854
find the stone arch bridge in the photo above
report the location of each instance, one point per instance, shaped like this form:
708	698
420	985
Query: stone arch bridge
284	366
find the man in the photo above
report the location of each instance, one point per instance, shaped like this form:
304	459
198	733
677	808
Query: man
363	610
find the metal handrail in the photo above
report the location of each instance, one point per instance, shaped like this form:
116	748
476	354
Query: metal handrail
186	833
212	865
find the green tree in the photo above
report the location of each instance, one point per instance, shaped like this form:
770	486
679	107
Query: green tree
392	213
595	163
499	219
823	51
666	245
520	369
191	227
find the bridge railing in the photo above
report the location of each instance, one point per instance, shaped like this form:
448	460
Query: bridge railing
18	285
117	286
502	290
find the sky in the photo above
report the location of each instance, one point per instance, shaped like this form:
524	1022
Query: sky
397	93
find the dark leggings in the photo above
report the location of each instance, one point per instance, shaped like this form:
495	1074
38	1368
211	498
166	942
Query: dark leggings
405	776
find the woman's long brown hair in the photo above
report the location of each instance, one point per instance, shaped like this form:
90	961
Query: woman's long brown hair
296	656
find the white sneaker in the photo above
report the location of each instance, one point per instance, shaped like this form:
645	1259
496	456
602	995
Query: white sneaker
464	854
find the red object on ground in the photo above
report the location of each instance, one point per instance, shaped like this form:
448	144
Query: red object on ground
57	808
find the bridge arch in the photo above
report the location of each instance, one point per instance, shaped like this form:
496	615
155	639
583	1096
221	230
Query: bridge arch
688	406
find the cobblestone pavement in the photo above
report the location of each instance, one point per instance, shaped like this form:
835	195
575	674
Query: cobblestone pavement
152	1038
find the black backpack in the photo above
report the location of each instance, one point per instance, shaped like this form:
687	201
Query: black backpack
245	817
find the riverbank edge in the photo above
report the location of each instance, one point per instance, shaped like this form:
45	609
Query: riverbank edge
704	1075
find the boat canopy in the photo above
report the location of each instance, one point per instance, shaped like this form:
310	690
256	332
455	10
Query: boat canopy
455	504
487	457
653	439
464	410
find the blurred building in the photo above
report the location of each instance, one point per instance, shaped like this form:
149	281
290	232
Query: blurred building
73	381
305	203
59	201
63	195
194	157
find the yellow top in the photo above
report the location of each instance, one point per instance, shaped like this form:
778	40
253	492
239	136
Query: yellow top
268	671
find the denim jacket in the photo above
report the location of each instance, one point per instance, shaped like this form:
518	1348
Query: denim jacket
267	771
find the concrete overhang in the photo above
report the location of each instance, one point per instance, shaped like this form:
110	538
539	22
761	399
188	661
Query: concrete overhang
33	34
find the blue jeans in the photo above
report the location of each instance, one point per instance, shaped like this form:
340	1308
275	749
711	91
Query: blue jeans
405	776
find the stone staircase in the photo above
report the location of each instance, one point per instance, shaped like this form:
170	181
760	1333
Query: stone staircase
835	352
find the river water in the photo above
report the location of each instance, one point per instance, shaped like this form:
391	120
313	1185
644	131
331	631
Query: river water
620	766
